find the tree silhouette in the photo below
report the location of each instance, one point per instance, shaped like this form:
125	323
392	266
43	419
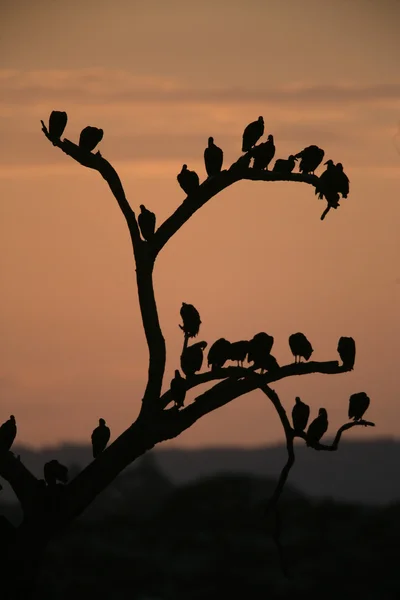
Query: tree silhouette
48	509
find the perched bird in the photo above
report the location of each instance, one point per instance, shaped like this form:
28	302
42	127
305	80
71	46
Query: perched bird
57	123
327	185
191	320
147	222
178	389
358	404
263	154
188	180
300	346
311	158
219	353
347	352
100	438
259	349
267	362
55	471
343	183
242	163
90	137
192	358
8	432
238	351
300	415
252	134
284	166
213	158
317	428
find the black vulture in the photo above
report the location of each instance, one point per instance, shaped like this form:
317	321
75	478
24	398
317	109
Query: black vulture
90	137
178	389
259	348
213	158
219	353
147	222
263	154
266	362
317	428
57	123
300	415
252	134
100	438
55	471
191	320
358	404
8	432
300	347
343	183
283	166
311	158
192	358
238	351
188	180
347	352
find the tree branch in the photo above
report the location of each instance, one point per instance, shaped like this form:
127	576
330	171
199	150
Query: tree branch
23	483
334	446
327	367
211	187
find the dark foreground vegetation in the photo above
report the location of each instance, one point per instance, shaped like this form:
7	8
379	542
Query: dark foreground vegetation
144	538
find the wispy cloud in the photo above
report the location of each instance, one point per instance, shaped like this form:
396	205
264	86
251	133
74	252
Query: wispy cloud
102	86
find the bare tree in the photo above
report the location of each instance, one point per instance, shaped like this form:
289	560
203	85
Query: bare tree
45	514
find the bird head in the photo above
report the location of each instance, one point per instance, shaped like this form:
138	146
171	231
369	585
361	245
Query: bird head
270	138
142	207
330	163
292	157
12	417
203	345
261	119
323	413
177	374
184	167
102	422
210	141
339	166
297	399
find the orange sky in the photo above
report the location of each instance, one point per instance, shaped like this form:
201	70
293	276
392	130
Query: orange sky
159	78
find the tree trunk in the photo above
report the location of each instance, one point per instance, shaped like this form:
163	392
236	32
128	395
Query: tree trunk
22	563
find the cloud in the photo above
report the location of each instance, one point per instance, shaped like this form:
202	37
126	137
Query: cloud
102	86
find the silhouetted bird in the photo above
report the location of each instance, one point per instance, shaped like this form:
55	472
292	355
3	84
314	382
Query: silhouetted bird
358	404
57	123
242	163
90	137
178	389
317	427
311	158
284	166
55	471
300	346
347	351
343	183
213	158
188	180
219	353
300	415
8	432
191	320
263	154
252	134
238	351
100	438
192	358
267	362
259	348
147	222
327	185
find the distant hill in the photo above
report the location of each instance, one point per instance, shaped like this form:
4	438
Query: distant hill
365	472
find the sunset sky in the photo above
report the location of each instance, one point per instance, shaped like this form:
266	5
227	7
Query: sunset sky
160	77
